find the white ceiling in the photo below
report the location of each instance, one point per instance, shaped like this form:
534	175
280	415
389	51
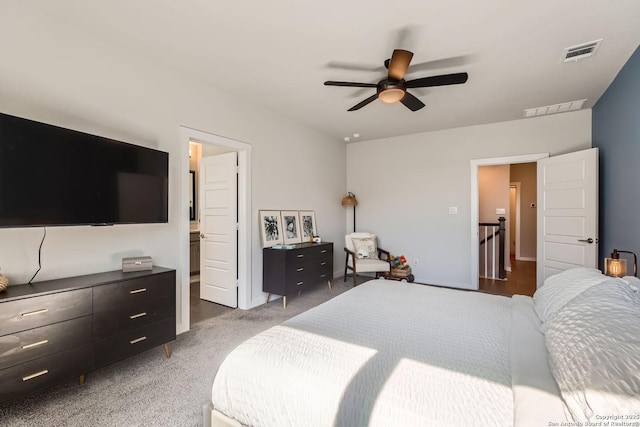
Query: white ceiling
278	53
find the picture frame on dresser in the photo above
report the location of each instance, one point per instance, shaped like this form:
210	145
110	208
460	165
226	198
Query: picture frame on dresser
270	228
308	225
291	227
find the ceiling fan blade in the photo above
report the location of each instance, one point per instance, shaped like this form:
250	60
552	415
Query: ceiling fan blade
443	80
349	84
399	63
352	66
411	102
363	103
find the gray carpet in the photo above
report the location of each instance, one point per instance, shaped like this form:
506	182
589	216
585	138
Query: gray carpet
150	390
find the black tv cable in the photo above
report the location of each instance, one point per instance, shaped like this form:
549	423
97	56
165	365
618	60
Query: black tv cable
39	256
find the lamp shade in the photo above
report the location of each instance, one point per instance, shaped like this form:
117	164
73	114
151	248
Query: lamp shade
616	267
349	200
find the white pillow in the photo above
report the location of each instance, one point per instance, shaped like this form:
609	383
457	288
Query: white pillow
594	351
633	282
365	247
561	288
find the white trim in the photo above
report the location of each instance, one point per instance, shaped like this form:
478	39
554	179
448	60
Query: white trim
518	187
244	220
528	258
475	164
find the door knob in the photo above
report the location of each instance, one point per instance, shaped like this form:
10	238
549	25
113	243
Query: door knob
589	240
202	236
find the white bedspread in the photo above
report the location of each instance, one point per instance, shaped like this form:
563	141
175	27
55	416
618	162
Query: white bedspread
385	353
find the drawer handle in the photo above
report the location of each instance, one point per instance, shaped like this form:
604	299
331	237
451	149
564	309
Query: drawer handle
299	283
135	316
137	291
137	340
300	269
324	251
31	313
36	375
323	263
35	344
301	256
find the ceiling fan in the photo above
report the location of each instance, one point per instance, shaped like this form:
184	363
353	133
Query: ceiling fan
393	88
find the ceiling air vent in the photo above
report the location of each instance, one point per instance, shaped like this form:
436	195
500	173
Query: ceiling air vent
555	108
582	51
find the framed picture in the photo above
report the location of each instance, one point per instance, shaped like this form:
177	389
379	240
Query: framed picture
291	227
308	224
270	228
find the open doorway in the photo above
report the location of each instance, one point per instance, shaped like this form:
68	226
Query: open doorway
202	306
242	173
506	188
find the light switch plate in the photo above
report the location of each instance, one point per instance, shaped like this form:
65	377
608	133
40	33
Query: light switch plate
453	210
501	211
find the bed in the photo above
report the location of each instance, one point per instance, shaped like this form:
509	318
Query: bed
389	353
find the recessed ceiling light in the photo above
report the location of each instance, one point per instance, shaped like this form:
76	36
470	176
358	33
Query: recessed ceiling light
356	135
347	138
555	108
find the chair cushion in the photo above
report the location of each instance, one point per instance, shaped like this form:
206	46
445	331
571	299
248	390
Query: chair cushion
370	265
365	247
348	242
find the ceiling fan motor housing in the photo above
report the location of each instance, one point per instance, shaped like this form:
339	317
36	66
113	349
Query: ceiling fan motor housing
390	90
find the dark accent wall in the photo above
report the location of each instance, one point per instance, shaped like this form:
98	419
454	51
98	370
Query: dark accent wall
616	132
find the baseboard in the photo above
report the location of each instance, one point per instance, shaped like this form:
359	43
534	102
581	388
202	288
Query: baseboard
526	258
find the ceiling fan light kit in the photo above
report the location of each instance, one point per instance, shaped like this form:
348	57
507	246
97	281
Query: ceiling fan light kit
391	95
394	88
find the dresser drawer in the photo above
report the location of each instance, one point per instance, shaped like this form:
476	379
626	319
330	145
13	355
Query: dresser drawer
33	375
125	344
131	316
308	253
130	293
325	272
34	343
28	313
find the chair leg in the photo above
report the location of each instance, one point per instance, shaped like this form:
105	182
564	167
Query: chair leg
346	266
354	275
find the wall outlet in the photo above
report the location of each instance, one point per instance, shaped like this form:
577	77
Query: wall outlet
453	210
416	261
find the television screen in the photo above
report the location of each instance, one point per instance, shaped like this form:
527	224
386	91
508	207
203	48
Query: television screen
51	176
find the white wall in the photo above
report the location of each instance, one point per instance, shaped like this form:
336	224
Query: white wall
493	192
405	185
53	73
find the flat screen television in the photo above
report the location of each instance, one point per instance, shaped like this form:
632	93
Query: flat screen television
51	176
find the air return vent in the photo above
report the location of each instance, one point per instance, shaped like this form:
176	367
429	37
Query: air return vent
585	50
555	108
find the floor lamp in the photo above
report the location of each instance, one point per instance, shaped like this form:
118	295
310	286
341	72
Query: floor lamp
350	200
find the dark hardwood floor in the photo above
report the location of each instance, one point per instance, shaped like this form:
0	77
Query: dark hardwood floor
520	280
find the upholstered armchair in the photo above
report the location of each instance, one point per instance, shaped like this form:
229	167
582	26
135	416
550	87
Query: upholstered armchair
364	256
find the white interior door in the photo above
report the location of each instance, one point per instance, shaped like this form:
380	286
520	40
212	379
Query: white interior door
567	213
218	189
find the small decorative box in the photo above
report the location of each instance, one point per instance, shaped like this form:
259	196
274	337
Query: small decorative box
139	263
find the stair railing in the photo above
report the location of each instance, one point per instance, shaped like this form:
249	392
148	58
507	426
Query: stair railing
492	238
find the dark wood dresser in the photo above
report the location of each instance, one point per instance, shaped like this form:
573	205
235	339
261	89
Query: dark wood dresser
289	271
56	329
